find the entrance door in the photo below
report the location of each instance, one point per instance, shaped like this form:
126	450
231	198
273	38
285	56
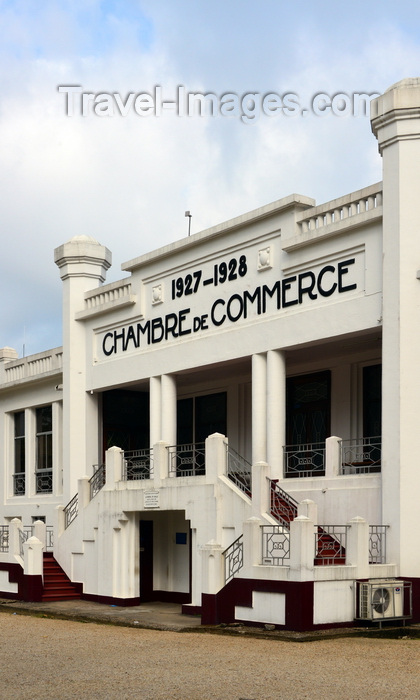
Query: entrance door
125	419
197	418
146	560
308	410
201	416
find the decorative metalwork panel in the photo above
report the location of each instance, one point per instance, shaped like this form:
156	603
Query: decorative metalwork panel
19	484
23	536
138	464
97	481
239	471
284	508
361	455
4	538
377	544
275	545
304	460
71	510
28	531
330	544
234	558
49	535
44	481
187	460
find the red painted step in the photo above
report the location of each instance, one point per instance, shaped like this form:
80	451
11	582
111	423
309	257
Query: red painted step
57	585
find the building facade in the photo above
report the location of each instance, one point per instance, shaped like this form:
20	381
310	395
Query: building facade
233	425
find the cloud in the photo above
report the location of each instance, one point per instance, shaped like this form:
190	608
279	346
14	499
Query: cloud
127	181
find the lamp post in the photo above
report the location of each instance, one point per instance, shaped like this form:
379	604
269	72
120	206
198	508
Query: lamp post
189	215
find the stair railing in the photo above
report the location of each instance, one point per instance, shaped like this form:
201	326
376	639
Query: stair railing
283	506
97	481
239	471
71	510
234	558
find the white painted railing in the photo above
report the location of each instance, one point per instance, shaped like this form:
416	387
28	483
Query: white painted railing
339	210
33	365
116	291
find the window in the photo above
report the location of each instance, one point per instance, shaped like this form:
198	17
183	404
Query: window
19	448
372	400
44	449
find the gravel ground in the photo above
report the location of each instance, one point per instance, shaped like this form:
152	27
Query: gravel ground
61	659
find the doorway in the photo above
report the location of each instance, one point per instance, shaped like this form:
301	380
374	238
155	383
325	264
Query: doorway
146	560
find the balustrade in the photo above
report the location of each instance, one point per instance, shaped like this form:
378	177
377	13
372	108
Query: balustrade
361	455
304	460
275	545
138	464
187	460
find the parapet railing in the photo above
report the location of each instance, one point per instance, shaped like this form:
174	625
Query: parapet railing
330	544
377	544
44	481
138	464
25	533
4	538
187	460
361	455
19	483
234	558
105	298
304	460
239	471
33	365
275	545
367	200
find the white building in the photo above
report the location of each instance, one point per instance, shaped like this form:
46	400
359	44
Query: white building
267	362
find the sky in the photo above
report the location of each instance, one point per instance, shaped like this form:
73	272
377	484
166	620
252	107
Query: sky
127	169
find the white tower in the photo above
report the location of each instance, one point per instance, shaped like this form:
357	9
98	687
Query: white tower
83	263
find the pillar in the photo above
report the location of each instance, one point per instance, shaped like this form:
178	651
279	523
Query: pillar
259	408
155	410
276	411
395	118
168	405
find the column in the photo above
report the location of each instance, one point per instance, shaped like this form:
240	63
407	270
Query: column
276	411
259	408
168	404
155	410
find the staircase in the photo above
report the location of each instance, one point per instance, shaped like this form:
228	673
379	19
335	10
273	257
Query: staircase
284	508
57	585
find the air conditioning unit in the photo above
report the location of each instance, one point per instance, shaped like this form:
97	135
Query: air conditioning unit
381	599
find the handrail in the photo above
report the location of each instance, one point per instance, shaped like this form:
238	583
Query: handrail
234	558
71	510
97	480
283	507
239	470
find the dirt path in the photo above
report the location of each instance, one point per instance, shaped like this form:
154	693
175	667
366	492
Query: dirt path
46	658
